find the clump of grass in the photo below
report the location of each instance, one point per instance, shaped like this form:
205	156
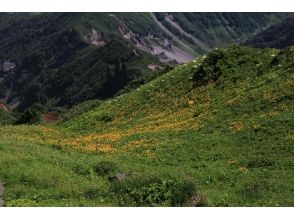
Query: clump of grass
104	168
82	169
260	163
104	116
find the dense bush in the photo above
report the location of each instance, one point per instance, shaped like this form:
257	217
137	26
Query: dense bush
209	70
153	191
31	115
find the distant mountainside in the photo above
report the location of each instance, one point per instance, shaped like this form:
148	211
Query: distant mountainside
46	58
277	36
205	31
61	59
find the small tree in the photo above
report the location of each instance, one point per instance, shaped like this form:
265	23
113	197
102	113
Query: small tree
32	114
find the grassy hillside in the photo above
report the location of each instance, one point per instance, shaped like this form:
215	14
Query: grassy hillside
215	132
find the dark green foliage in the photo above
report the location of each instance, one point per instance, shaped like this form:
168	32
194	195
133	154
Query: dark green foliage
153	191
91	73
31	115
104	168
209	70
260	162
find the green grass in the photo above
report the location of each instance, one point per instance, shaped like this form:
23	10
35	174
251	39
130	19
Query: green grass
219	128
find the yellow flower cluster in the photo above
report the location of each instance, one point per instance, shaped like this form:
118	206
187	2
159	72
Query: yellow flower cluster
237	125
243	169
133	133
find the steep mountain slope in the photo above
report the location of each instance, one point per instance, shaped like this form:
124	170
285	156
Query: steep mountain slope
214	132
49	58
277	36
205	31
46	59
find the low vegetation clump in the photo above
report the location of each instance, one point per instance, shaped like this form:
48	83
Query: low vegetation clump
143	191
32	115
104	168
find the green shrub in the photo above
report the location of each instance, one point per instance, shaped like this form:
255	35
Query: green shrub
31	115
82	169
104	168
149	191
92	193
209	70
260	162
104	116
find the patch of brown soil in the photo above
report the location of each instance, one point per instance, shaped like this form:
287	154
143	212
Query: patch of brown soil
49	117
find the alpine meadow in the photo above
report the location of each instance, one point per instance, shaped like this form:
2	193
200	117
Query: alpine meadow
146	109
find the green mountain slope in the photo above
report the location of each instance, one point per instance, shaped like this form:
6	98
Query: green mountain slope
52	62
49	58
277	36
213	132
